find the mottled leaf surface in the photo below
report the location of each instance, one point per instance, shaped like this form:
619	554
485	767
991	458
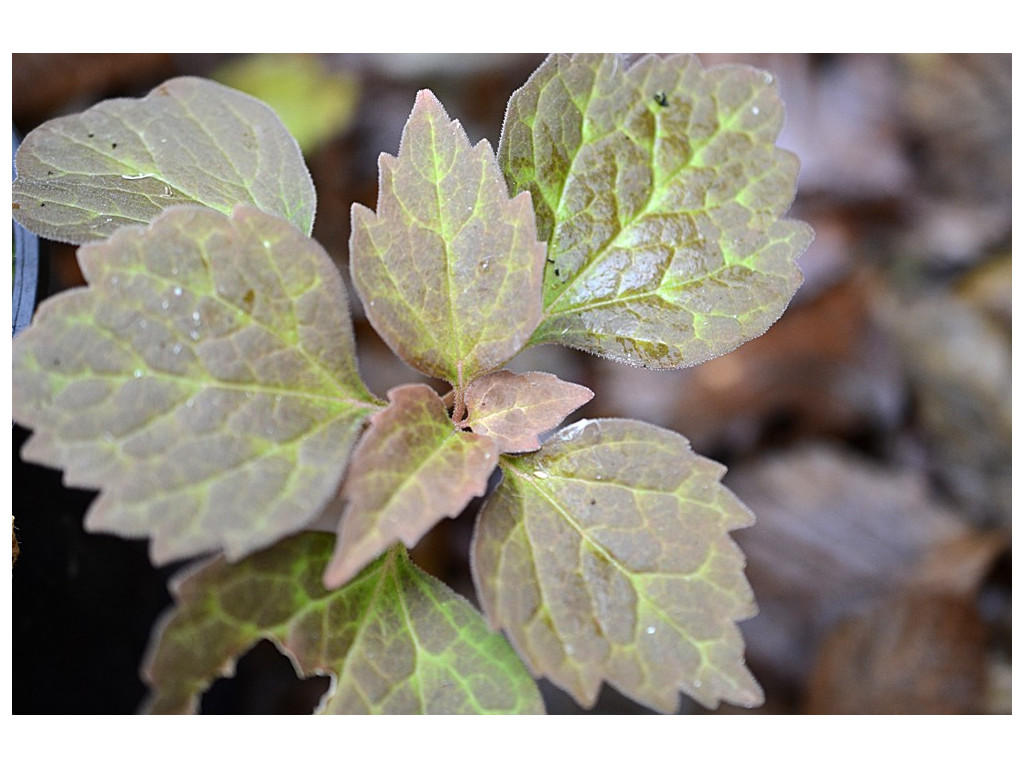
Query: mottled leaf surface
448	268
205	381
411	469
395	640
659	189
605	556
123	161
514	409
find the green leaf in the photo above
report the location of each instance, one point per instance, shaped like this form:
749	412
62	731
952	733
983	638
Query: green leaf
411	469
395	640
124	161
659	189
448	269
514	409
313	100
606	556
205	380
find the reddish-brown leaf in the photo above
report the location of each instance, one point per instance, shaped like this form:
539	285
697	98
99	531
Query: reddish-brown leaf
514	409
412	468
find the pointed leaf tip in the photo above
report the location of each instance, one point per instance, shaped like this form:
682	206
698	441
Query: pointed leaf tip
448	267
516	409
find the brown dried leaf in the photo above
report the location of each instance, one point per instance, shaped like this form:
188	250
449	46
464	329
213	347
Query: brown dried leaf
916	654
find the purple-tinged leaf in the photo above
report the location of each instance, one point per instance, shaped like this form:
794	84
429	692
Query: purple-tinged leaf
205	381
123	161
448	268
395	640
660	190
605	556
514	409
411	469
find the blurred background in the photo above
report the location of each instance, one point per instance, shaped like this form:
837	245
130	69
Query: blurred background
869	430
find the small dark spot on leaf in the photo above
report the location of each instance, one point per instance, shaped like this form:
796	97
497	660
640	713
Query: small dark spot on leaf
162	91
92	135
42	205
49	173
593	502
557	273
661	98
550	260
113	145
249	298
15	206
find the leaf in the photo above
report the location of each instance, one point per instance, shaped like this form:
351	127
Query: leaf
914	654
836	531
205	380
514	409
395	640
606	556
449	269
314	100
411	469
659	189
123	161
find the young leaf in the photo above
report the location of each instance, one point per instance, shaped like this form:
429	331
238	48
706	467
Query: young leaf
514	409
123	161
411	468
395	640
205	380
606	556
659	189
449	268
